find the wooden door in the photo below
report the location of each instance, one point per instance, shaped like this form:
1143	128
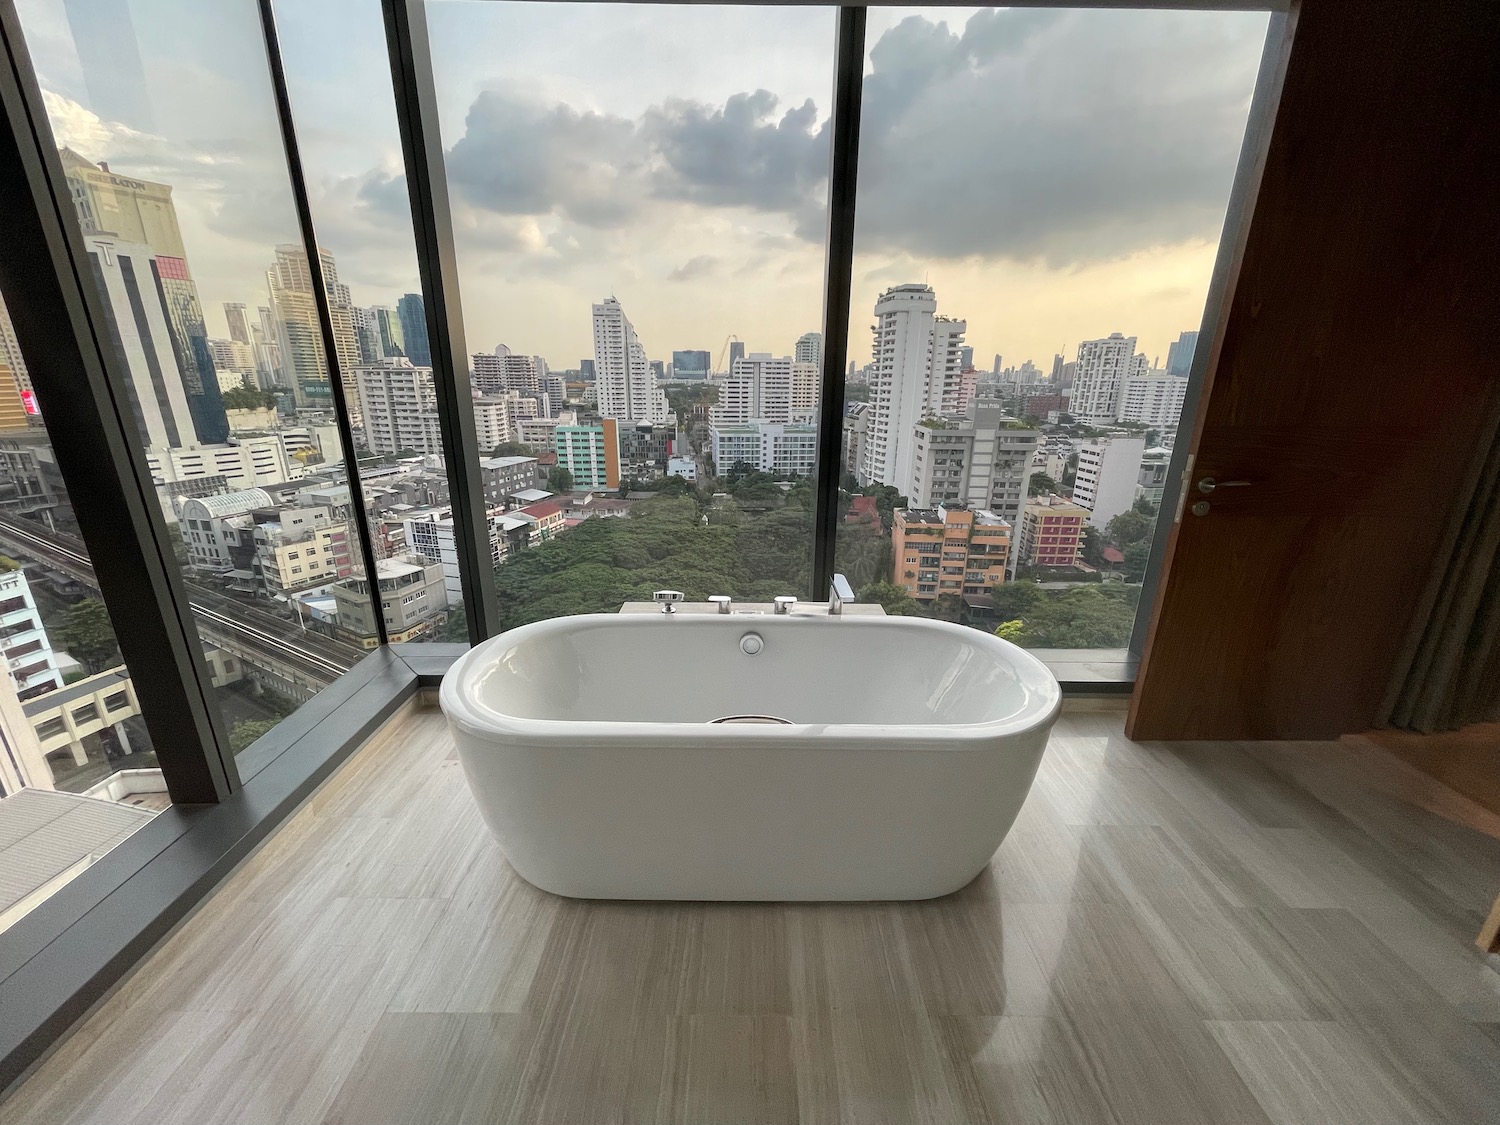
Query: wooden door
1349	363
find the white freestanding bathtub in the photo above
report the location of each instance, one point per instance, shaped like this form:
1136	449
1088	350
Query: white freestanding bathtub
591	746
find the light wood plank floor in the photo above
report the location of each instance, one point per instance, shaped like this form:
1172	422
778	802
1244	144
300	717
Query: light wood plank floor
1202	933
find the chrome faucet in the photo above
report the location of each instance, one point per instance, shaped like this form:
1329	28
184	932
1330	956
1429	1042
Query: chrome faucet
839	592
783	604
667	599
723	601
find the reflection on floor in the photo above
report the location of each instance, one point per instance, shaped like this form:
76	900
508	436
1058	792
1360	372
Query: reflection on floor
1207	933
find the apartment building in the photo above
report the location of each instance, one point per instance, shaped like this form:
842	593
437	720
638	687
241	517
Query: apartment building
1153	398
1108	471
789	449
591	452
1051	532
29	659
984	462
399	405
412	596
948	550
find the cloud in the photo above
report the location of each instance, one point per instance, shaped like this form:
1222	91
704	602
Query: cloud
1061	136
740	154
704	265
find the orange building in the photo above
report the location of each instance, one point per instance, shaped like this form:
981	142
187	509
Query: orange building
948	550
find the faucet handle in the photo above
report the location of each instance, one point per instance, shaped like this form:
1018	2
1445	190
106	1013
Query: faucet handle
783	603
723	601
668	599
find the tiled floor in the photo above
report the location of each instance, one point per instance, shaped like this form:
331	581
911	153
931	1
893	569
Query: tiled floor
1203	933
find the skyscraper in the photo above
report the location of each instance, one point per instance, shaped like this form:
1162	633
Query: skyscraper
413	315
140	213
239	326
625	385
1180	353
387	328
263	339
914	375
298	334
1099	379
179	299
809	348
736	351
136	327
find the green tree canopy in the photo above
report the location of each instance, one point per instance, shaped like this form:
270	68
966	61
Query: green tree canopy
1130	526
892	598
1041	485
513	449
1135	560
1082	617
87	634
559	479
244	398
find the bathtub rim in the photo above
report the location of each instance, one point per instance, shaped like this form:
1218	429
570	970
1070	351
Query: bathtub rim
1040	710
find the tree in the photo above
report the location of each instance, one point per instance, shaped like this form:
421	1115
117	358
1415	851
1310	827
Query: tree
864	555
513	449
1042	485
246	731
1135	560
946	607
892	598
1130	526
1070	471
1144	506
1093	545
1017	599
244	398
88	636
559	479
1083	617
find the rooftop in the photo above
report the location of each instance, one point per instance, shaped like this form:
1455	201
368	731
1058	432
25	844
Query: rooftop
45	835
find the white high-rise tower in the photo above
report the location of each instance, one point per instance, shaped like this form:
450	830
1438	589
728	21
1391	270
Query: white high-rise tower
914	375
623	378
1103	367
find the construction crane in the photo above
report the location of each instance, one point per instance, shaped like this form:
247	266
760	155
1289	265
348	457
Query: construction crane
724	351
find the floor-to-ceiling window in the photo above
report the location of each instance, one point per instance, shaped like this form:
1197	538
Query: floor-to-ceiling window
166	127
1041	195
638	195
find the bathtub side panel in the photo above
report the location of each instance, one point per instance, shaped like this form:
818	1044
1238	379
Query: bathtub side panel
697	819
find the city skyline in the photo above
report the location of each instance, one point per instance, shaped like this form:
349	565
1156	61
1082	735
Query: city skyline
713	245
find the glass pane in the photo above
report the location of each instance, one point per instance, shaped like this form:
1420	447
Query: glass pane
340	85
77	772
639	217
1041	194
187	218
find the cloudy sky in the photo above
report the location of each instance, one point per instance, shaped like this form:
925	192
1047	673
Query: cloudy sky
1055	175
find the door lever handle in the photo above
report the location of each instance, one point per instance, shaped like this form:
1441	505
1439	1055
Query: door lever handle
1208	484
